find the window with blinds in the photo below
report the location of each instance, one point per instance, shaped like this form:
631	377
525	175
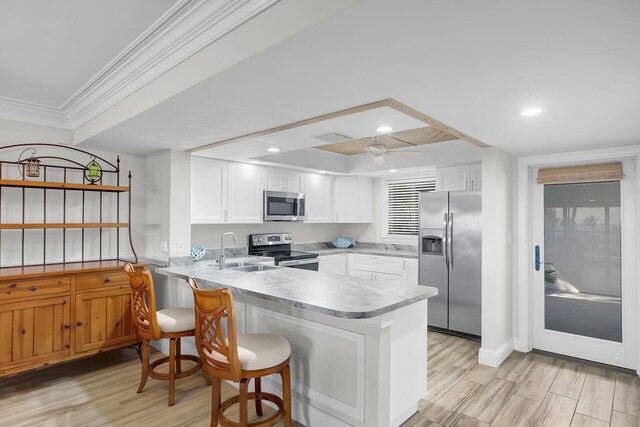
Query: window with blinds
403	209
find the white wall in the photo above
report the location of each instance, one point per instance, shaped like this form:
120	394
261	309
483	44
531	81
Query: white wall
497	285
11	212
208	235
17	133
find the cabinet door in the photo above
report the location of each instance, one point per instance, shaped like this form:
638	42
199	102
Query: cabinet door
283	180
245	193
346	199
388	276
103	319
365	199
475	177
361	274
34	331
318	200
452	178
208	191
411	271
328	264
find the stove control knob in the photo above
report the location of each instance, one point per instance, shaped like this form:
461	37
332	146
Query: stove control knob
260	240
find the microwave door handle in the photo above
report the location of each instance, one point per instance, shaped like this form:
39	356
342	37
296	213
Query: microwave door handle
445	228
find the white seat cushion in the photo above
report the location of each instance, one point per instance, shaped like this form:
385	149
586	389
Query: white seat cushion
176	319
259	351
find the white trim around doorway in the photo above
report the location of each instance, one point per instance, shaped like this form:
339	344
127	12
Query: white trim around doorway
523	340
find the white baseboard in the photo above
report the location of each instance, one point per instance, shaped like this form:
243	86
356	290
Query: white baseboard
495	358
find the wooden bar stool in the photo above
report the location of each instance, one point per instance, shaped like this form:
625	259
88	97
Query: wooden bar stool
171	323
238	358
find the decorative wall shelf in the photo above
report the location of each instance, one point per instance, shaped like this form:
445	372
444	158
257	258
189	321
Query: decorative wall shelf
64	225
92	169
62	186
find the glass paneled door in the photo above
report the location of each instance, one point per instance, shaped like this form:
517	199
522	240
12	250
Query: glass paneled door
583	305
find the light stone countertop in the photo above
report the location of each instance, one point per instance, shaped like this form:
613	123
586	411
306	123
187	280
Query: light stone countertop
366	251
330	294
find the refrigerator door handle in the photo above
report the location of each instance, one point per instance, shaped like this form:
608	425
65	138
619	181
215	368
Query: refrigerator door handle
445	227
450	241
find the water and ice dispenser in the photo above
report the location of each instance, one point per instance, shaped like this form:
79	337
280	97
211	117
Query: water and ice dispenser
431	243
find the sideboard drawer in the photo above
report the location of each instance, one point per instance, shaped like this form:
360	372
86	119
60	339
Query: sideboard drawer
34	288
101	280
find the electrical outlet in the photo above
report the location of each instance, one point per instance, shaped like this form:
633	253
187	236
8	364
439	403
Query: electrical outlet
180	247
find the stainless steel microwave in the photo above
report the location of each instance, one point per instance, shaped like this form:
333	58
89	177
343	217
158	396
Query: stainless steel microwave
283	206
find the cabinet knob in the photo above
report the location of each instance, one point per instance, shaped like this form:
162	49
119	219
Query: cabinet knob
33	288
107	280
67	326
79	323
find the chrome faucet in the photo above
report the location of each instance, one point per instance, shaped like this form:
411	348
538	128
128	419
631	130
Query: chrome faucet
228	233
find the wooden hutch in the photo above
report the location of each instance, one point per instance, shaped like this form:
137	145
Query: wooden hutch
55	312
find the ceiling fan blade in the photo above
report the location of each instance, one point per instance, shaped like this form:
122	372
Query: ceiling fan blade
405	153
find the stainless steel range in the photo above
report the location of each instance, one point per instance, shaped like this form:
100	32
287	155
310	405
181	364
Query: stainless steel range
278	246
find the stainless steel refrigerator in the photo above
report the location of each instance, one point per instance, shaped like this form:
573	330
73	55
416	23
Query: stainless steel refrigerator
451	258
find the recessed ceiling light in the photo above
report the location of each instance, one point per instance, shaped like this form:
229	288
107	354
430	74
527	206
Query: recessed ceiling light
254	162
393	170
531	111
384	129
322	171
273	150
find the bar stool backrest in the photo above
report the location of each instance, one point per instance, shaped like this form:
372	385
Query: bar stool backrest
143	302
218	353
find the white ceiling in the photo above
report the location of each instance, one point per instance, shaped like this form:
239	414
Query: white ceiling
50	49
472	65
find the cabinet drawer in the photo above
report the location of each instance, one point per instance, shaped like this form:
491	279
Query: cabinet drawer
374	263
29	288
101	280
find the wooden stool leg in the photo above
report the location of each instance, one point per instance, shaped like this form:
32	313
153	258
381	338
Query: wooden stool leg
286	395
145	365
258	401
215	401
244	397
172	371
205	373
178	353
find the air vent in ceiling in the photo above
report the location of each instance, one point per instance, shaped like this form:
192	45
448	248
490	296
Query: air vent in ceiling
333	137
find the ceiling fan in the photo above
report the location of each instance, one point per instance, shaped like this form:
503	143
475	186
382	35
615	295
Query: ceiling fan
377	150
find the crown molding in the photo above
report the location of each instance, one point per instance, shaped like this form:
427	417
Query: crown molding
186	28
30	112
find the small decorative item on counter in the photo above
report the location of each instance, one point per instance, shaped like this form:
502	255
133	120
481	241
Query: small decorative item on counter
197	252
343	242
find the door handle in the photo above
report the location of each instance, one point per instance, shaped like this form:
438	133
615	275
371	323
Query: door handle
538	262
450	241
445	244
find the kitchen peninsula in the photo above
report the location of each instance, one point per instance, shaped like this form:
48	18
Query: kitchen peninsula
358	346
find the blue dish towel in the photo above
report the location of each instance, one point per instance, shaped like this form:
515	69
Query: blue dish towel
343	242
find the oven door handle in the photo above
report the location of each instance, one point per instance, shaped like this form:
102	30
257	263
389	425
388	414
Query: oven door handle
298	262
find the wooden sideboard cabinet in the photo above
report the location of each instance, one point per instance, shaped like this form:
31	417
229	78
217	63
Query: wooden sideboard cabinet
59	312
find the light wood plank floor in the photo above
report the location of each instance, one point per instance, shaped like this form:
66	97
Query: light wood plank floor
527	390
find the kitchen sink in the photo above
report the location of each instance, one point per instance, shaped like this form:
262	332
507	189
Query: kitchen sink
254	267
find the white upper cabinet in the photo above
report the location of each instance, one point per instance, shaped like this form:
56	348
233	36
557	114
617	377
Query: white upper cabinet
284	180
318	198
468	177
353	200
245	194
208	191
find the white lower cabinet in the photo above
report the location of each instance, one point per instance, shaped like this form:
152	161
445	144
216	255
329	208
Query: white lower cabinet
411	271
377	267
334	264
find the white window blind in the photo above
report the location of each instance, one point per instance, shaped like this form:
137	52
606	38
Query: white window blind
403	209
